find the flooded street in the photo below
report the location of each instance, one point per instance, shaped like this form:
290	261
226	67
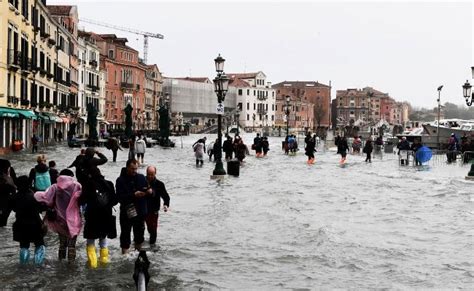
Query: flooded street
281	225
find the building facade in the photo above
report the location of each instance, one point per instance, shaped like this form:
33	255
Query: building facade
255	99
310	104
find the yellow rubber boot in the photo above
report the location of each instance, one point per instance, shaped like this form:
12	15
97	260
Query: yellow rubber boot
104	256
91	256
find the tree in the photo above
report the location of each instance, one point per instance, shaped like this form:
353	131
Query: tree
319	113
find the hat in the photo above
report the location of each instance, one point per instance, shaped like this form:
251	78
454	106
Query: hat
452	134
66	172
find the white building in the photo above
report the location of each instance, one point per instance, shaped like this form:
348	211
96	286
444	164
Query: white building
255	99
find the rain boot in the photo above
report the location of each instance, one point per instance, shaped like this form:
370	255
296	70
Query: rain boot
91	256
24	255
39	254
104	256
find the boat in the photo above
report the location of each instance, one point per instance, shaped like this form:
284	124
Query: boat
449	126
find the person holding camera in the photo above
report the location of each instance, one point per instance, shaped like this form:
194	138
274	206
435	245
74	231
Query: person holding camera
132	189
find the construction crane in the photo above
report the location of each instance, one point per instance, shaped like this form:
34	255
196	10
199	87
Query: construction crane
121	28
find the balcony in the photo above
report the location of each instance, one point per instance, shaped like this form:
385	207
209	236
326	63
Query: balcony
93	63
49	75
13	100
14	59
125	85
262	98
261	111
24	102
51	41
25	65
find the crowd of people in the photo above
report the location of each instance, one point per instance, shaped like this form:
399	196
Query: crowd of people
231	147
66	203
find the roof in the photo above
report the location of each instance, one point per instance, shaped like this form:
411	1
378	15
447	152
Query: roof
195	79
90	34
238	83
59	9
242	76
300	84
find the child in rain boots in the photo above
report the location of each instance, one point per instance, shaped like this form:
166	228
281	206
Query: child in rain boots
28	226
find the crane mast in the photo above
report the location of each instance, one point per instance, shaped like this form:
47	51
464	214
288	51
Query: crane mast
145	34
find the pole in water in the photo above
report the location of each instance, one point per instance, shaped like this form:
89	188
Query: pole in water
141	275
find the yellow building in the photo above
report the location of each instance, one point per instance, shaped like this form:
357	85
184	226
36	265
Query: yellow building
30	76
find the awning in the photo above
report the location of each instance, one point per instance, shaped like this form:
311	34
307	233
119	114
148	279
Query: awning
104	122
47	118
27	114
7	112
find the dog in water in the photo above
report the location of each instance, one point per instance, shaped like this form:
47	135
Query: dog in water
141	275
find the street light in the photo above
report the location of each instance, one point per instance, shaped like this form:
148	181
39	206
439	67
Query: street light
439	113
287	112
221	85
467	93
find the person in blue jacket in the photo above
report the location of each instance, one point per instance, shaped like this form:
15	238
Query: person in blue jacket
132	189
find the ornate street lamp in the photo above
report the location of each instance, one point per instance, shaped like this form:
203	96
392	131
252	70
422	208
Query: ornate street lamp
287	112
221	86
467	93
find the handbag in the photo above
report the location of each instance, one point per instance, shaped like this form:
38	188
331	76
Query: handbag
131	211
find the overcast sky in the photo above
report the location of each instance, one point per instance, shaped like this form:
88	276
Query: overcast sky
401	48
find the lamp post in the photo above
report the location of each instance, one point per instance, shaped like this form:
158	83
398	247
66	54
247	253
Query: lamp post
221	85
467	89
439	113
287	113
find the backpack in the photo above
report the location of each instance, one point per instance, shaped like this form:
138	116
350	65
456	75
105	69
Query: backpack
105	195
42	180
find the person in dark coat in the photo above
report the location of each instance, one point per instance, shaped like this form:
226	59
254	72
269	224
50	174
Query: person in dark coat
114	146
265	146
415	146
241	150
404	145
7	189
28	226
310	149
368	148
257	145
39	177
154	201
342	148
88	167
77	161
131	189
34	143
228	148
53	172
99	221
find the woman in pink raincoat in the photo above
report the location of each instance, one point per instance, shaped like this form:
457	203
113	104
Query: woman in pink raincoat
64	217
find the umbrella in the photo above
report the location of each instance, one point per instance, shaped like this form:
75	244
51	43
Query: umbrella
424	154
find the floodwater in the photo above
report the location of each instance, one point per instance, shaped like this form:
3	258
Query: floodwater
281	225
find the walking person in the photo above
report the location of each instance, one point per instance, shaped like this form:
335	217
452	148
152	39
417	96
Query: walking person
100	223
39	177
154	202
199	149
265	146
53	172
342	148
228	148
114	146
131	148
63	216
403	148
310	149
131	189
257	145
34	143
241	150
368	148
7	189
28	226
140	148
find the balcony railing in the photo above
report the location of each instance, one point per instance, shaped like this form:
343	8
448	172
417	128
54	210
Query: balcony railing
262	98
93	63
13	100
14	59
125	85
261	111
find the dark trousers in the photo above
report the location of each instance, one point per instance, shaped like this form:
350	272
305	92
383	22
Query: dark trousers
34	149
126	225
26	244
69	245
152	225
114	155
4	213
228	155
368	158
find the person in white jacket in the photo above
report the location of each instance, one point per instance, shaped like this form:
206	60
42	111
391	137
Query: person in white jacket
140	146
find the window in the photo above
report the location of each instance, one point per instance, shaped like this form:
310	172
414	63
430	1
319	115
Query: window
248	106
240	92
254	106
248	117
111	54
248	92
